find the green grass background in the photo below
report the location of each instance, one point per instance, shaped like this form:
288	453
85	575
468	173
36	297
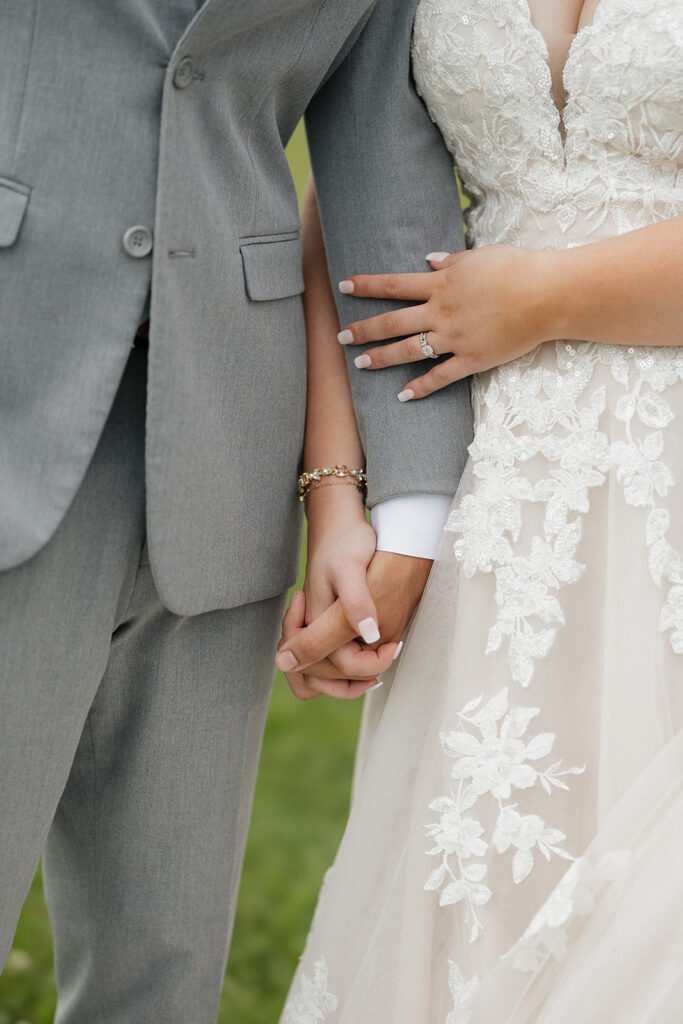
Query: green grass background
300	809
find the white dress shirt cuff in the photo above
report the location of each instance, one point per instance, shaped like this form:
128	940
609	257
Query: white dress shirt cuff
411	524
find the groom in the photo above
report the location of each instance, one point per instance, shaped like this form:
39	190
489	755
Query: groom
148	514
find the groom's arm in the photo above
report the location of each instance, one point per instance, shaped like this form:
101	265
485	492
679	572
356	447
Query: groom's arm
388	196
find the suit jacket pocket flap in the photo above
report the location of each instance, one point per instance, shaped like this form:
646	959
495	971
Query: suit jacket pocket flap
272	266
13	202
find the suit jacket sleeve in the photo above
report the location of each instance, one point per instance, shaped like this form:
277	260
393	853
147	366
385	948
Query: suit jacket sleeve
388	196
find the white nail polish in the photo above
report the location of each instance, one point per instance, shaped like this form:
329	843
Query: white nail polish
362	362
369	631
436	256
345	337
376	686
346	287
398	650
406	395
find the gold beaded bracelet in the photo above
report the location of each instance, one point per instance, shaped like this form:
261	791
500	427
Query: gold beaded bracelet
327	475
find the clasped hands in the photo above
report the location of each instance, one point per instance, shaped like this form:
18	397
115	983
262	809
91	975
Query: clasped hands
350	590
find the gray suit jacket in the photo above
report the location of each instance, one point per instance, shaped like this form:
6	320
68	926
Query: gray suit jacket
173	115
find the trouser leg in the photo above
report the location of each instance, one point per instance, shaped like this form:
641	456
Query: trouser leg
136	733
57	613
143	860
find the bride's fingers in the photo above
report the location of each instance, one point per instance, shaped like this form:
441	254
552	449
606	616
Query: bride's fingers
396	324
407	351
356	601
324	636
441	376
405	287
363	665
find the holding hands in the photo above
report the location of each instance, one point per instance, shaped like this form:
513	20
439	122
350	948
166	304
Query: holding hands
352	594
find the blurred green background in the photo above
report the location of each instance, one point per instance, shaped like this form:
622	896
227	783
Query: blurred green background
300	809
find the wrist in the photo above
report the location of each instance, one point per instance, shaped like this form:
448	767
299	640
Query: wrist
547	287
336	502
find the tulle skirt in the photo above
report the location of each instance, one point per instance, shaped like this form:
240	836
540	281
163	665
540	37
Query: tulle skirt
515	847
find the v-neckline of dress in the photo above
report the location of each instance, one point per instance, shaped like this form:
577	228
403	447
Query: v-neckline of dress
537	35
524	4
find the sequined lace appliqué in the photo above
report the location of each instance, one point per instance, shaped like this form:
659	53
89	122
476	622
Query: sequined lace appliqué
482	69
311	1003
526	412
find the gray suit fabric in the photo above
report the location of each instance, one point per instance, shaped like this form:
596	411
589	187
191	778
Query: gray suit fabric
138	758
388	196
144	559
96	137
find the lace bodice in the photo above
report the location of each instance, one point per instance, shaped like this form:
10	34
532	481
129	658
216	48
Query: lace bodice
482	68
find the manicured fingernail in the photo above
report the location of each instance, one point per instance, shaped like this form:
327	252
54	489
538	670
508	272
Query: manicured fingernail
346	287
345	337
406	395
286	662
369	631
398	650
376	686
362	362
436	256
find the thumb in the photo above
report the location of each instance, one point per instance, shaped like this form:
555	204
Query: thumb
441	260
357	604
294	619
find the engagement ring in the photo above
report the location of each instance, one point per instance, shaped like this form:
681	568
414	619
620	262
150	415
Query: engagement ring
427	350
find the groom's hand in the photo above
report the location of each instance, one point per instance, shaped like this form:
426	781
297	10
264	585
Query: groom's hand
326	649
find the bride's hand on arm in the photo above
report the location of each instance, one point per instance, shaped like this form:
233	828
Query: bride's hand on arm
488	306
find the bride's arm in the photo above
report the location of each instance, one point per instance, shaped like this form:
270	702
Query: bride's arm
490	305
626	290
341	543
338	532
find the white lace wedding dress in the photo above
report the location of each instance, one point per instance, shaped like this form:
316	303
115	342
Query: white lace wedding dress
515	848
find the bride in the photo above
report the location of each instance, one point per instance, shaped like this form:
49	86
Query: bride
513	851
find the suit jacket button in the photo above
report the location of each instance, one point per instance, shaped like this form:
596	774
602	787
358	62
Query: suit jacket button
138	242
184	73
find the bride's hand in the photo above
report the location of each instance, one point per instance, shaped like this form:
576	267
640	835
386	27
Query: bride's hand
482	308
341	545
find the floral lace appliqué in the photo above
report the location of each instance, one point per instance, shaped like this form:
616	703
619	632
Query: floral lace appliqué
482	69
492	757
575	896
312	1003
463	992
526	411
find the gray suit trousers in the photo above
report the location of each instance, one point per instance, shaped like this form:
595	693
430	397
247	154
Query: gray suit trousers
129	740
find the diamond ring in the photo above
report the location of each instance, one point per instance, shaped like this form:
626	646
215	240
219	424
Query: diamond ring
427	350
